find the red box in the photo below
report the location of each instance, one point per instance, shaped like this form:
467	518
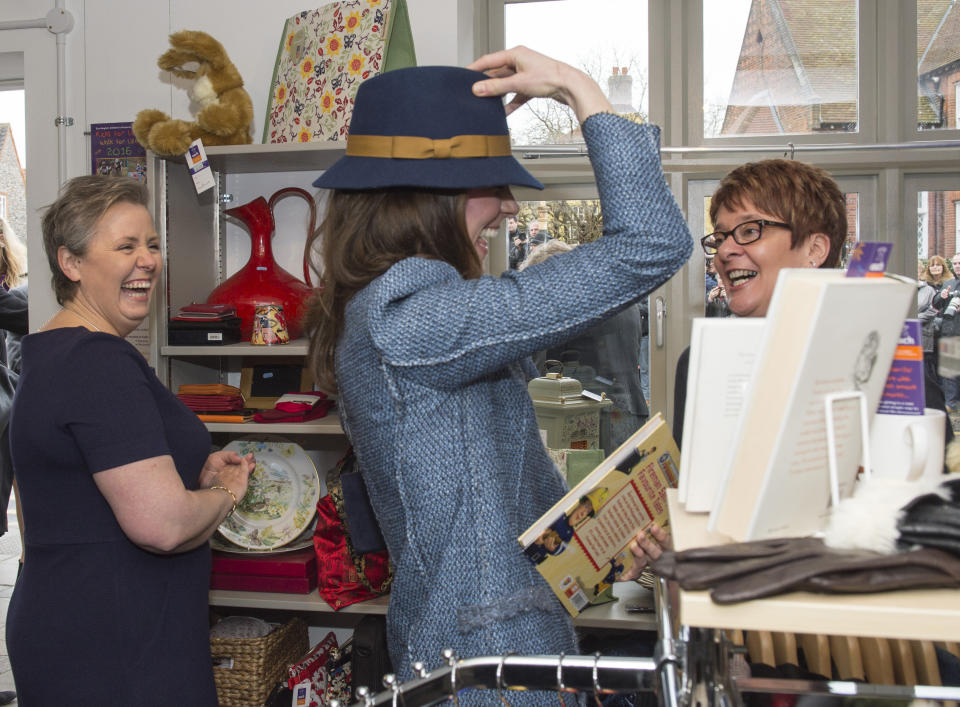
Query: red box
294	572
252	583
300	563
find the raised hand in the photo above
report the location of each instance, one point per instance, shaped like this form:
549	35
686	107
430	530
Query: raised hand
529	74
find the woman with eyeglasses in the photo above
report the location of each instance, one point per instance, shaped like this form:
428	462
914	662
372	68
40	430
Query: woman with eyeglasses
768	215
771	215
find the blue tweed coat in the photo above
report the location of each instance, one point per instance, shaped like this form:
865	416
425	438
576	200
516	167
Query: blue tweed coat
432	371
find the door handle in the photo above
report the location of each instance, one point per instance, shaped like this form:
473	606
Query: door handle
660	308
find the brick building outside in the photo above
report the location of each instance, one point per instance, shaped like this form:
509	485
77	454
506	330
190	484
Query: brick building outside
797	74
938	84
13	184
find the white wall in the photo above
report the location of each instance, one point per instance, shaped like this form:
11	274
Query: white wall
112	72
116	46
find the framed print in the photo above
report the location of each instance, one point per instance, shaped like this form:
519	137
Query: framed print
263	380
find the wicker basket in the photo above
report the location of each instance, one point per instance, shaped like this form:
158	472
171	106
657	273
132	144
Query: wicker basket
258	663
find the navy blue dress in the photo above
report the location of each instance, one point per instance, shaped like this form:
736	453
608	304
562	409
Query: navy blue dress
94	619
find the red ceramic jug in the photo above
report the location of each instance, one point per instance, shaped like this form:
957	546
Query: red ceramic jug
261	280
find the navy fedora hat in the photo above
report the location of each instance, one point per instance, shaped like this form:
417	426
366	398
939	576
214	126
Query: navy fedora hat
422	127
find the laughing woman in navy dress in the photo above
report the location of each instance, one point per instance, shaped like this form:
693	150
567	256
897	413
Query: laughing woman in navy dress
119	491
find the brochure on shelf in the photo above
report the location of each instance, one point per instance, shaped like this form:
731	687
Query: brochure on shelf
826	334
723	353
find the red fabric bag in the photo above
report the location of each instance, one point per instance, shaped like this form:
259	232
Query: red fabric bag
345	577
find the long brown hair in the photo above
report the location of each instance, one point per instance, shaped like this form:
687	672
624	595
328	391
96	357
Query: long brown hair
362	235
13	256
944	271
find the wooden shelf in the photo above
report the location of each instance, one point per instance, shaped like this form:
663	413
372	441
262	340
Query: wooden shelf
262	159
919	614
329	425
613	615
315	157
308	603
296	348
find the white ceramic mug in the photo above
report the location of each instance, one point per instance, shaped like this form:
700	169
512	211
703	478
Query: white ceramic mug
908	447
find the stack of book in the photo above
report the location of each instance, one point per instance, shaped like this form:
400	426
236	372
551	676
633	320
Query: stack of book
215	402
291	572
204	325
758	444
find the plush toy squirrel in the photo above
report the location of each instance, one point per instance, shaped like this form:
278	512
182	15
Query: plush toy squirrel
226	112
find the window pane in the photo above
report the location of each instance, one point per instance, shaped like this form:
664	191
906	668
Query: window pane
615	58
606	357
937	229
938	64
774	68
853	227
13	158
572	222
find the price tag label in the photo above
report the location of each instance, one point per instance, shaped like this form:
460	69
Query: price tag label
199	167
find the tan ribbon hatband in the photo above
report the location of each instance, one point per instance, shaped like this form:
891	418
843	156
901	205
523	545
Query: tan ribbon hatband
424	148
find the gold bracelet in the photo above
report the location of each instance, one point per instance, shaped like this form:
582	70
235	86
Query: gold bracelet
232	495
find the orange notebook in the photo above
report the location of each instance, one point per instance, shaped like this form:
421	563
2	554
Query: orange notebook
227	416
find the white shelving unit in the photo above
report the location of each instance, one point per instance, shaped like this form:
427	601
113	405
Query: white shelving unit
295	348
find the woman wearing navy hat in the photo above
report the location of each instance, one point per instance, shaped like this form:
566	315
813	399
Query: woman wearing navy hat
430	358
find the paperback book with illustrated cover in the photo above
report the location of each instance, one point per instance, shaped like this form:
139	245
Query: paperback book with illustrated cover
580	546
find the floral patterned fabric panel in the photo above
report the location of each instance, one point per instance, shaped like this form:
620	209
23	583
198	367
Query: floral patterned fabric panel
324	56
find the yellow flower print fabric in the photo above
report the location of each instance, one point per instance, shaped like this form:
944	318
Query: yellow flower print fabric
323	57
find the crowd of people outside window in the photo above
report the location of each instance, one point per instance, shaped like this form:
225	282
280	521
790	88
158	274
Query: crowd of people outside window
715	304
524	240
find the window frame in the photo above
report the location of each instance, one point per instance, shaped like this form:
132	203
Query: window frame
42	163
919	181
956	220
867	96
877	161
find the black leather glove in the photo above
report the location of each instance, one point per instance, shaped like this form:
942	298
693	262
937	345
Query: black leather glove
932	520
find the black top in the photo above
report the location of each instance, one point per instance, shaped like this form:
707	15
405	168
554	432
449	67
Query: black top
94	619
13	320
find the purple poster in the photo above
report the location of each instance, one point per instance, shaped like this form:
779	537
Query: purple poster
869	259
904	391
115	151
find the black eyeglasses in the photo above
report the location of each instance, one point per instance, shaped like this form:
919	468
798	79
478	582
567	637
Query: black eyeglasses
744	233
